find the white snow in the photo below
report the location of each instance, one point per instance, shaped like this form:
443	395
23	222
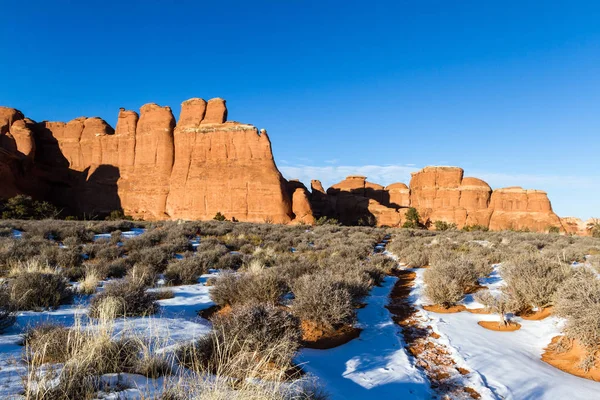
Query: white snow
509	363
177	322
125	235
375	365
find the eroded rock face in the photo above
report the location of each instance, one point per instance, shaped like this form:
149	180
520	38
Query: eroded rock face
301	206
227	168
152	168
575	226
399	195
518	208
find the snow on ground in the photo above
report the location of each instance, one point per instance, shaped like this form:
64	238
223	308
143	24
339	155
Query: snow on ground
176	322
125	235
375	365
509	363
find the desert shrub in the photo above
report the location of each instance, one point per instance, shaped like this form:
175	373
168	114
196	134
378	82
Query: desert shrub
447	280
7	309
113	269
90	282
85	355
157	257
353	275
39	291
50	341
251	341
118	215
219	217
230	262
321	299
413	255
578	301
444	226
475	228
496	303
142	274
594	227
185	271
243	288
130	298
413	219
24	207
531	280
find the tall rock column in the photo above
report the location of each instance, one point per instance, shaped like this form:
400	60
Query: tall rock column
224	167
145	190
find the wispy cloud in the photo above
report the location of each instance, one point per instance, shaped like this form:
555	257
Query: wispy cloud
328	175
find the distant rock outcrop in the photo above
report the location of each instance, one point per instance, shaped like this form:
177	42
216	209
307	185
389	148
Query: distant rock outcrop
153	167
438	194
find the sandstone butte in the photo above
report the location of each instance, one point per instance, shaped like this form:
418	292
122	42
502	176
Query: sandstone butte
156	168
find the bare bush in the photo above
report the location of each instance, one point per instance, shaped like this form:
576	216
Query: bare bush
253	341
250	287
532	280
578	301
185	271
130	297
39	291
447	280
323	300
7	309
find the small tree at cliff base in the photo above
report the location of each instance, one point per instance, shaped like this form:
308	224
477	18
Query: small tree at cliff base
413	219
219	217
444	226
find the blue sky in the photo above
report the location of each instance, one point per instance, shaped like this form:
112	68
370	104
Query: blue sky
510	91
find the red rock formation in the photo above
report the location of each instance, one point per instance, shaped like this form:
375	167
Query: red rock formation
399	195
224	167
517	208
153	168
301	206
575	226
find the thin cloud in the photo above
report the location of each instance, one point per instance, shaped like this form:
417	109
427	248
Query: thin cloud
329	175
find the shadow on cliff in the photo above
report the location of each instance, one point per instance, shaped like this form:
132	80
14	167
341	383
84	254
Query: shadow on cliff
349	208
79	193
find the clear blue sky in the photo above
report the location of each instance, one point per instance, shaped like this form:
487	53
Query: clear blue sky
508	90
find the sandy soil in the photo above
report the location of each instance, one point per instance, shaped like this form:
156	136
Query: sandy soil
500	327
537	315
316	337
569	360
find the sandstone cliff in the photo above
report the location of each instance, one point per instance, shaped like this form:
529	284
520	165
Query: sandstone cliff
149	166
439	194
152	167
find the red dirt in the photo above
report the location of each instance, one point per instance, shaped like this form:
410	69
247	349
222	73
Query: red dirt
436	308
500	327
431	357
316	337
207	313
472	392
478	310
537	315
568	361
